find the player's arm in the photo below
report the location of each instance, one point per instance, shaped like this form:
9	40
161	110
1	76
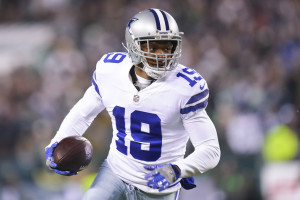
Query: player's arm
206	156
76	122
80	116
202	132
203	136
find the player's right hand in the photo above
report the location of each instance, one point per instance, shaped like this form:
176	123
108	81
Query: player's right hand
52	165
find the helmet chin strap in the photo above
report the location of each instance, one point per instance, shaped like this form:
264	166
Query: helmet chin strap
148	71
153	73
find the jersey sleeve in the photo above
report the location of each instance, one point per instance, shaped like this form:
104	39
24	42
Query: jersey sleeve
95	84
201	131
197	100
203	136
81	115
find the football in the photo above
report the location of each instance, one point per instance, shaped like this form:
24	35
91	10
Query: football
73	154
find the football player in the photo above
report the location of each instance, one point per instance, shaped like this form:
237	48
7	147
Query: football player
156	105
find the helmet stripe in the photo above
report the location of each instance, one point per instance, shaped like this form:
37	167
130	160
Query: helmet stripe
166	19
159	16
156	19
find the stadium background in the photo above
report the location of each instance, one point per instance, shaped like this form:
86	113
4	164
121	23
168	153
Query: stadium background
247	50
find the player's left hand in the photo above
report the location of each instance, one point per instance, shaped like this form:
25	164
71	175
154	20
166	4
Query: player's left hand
161	176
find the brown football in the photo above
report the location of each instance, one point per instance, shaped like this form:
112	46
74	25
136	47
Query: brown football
73	154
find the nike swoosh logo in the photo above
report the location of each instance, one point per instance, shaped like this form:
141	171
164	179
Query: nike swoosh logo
202	86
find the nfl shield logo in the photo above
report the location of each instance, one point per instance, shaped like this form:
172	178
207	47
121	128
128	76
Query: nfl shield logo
136	98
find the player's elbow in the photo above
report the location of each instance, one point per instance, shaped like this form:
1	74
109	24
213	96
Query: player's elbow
215	153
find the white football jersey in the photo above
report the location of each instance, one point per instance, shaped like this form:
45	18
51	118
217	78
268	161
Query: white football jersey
147	124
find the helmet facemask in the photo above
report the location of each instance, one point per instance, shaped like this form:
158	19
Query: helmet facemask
156	65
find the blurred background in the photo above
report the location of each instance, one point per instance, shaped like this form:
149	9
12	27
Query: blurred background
247	50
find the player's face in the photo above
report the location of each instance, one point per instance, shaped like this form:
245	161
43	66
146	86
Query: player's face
159	48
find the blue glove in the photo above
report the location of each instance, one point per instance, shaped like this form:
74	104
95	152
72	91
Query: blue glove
188	183
52	165
162	176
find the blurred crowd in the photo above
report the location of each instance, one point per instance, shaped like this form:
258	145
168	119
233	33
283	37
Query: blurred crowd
247	50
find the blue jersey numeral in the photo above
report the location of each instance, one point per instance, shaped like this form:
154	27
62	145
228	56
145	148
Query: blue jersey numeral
145	146
188	72
116	58
119	113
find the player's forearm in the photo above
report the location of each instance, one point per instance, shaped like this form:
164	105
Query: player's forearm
80	116
204	138
204	158
73	124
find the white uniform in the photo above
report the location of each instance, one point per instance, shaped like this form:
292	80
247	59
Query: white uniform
150	126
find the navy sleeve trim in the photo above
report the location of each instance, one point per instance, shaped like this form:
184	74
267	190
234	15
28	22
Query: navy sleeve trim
198	97
194	108
95	84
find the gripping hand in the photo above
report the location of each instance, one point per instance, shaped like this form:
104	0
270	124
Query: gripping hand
161	176
52	165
